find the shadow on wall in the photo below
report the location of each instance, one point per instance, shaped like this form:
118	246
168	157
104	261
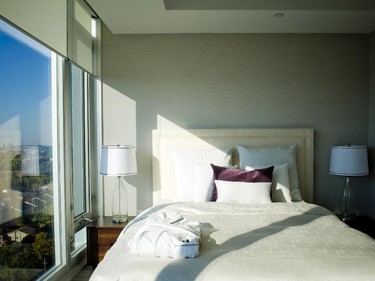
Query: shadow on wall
119	127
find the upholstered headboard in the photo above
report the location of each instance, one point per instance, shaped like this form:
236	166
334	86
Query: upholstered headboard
165	142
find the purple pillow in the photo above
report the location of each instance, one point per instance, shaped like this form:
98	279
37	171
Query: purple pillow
227	174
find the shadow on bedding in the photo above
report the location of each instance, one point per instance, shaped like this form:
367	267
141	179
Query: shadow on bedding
189	269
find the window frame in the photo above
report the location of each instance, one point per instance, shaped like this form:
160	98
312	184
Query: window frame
90	149
91	95
61	252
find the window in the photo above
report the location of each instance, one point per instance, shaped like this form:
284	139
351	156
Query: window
82	107
49	137
30	205
84	129
78	102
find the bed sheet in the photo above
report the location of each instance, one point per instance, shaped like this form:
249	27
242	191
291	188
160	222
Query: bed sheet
275	241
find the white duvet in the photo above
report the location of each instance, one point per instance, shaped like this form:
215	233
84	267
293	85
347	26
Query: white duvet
276	241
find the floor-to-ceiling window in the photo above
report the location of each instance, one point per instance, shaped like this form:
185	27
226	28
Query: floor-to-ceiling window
48	158
29	206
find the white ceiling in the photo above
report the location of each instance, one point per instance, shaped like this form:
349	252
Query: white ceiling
236	16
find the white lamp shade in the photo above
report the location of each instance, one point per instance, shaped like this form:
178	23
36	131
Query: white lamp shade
349	160
118	160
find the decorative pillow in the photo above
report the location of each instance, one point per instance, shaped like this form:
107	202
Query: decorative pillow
186	159
243	192
280	190
267	156
204	182
225	174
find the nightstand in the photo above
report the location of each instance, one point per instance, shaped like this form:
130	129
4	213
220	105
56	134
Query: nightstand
101	235
363	224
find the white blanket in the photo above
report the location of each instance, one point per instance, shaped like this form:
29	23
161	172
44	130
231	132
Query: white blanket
167	234
276	241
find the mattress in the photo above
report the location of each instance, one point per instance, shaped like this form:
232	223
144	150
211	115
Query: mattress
273	241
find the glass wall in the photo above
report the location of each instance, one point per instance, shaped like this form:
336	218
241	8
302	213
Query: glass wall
48	158
28	210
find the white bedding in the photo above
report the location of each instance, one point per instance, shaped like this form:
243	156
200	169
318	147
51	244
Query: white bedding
275	241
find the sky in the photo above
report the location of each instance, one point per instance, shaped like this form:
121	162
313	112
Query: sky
25	87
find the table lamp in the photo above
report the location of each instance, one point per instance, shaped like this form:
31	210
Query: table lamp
348	161
119	161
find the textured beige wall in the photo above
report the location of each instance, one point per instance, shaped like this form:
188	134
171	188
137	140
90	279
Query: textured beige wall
245	81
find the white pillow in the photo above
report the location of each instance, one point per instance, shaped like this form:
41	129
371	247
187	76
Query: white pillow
280	190
204	182
186	159
271	156
243	192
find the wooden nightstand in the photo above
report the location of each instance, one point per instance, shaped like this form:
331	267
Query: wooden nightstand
363	224
101	235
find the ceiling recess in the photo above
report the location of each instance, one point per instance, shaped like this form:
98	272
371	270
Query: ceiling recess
236	16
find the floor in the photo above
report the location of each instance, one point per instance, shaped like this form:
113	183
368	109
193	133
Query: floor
84	274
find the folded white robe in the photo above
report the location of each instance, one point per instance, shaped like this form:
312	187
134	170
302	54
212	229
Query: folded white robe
167	234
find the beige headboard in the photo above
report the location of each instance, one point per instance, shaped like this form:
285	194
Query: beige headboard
166	141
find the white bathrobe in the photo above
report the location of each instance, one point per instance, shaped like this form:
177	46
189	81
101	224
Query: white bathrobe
167	234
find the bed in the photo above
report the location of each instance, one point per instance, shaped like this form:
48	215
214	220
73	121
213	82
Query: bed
255	230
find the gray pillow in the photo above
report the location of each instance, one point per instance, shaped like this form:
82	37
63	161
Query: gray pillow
272	156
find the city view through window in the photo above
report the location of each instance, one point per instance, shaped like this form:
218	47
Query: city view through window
27	244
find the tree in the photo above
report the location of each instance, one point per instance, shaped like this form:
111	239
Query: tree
43	247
